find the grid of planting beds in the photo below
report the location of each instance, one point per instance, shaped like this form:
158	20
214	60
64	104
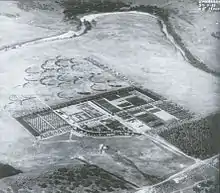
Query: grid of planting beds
44	124
175	110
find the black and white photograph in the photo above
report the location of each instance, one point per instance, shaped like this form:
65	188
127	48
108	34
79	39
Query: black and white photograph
109	96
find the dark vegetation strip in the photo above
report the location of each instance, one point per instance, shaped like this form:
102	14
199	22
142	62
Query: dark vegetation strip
118	177
163	14
74	8
79	177
28	127
7	170
197	138
192	59
216	35
150	178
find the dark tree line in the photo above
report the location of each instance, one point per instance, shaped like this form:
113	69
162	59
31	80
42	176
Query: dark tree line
209	186
75	8
7	170
198	138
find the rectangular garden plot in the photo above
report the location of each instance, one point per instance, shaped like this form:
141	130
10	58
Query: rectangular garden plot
146	118
130	106
136	101
42	123
106	106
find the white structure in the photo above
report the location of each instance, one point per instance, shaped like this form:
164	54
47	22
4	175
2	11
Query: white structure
102	148
71	134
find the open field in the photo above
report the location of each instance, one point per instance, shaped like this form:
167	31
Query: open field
140	160
126	157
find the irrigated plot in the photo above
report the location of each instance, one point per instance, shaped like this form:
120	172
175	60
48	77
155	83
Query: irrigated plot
130	111
175	110
107	106
80	112
46	124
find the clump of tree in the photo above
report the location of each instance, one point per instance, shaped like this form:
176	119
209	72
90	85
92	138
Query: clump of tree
7	170
80	178
198	138
160	12
216	35
75	8
209	186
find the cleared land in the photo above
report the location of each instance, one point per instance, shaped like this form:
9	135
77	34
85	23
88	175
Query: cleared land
137	160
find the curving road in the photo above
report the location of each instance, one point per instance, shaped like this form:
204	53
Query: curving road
166	29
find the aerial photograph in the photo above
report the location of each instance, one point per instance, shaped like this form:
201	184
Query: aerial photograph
109	96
